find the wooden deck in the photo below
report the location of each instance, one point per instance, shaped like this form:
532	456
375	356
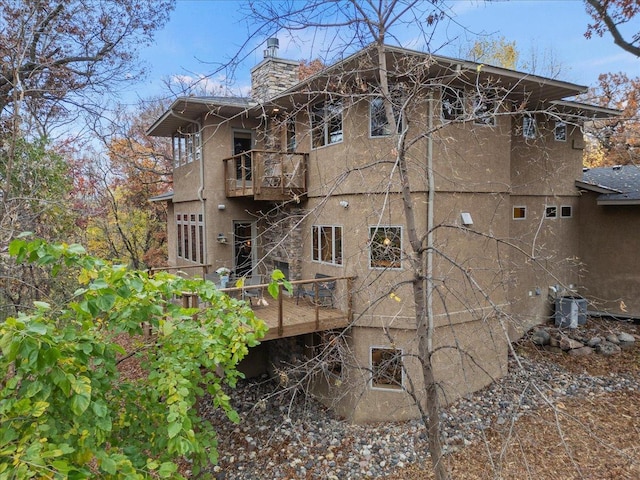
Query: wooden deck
298	319
287	316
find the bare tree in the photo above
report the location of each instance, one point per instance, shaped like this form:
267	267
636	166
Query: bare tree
615	17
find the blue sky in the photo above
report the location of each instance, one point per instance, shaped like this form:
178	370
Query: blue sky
201	34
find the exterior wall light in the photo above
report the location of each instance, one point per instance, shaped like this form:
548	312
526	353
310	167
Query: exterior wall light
221	206
344	203
467	221
221	238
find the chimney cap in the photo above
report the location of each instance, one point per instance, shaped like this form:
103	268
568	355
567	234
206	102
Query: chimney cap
272	47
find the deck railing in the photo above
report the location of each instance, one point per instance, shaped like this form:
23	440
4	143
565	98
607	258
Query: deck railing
266	175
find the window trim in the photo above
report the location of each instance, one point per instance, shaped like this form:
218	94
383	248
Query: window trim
513	212
321	111
335	244
547	212
372	230
391	387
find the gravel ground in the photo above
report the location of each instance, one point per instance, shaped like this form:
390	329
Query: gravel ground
284	436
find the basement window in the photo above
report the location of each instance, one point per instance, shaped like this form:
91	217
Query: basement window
386	368
519	213
551	211
566	211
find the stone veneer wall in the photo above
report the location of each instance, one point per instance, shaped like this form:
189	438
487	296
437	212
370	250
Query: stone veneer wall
273	76
284	240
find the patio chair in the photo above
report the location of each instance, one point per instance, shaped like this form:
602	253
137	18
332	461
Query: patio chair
248	291
325	291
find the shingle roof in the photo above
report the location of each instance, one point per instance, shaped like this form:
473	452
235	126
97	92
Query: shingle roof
622	180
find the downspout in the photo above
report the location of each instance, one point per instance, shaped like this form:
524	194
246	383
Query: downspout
430	223
201	187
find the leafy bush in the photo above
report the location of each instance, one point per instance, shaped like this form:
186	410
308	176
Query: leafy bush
65	412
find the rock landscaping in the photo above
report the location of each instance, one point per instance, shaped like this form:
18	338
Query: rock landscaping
287	435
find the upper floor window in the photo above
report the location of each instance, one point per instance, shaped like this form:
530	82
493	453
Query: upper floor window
551	211
326	123
385	247
327	244
290	132
484	108
186	145
560	132
379	126
519	213
452	103
529	128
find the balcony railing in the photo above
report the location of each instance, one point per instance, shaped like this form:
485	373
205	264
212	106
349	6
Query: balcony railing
266	175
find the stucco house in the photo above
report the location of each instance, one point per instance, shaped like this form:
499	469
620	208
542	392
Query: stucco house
301	176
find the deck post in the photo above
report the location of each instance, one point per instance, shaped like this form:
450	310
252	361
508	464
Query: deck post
280	313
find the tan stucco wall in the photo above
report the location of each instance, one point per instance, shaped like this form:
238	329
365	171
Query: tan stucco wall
610	246
461	348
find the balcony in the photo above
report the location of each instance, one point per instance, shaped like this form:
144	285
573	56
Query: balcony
266	175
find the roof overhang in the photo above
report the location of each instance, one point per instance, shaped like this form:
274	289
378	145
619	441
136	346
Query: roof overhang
163	197
593	187
185	110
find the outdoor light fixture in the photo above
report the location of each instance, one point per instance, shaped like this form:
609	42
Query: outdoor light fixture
222	238
221	206
467	221
344	203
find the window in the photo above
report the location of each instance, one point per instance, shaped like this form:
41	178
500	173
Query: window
519	213
379	127
186	145
484	108
190	237
385	247
452	103
566	211
551	211
529	128
291	134
326	122
386	368
560	132
327	244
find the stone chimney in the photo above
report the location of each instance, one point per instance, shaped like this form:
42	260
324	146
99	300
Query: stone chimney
272	75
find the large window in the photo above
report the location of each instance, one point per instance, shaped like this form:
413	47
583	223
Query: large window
327	244
484	108
186	145
326	122
452	103
379	126
386	368
529	127
385	247
190	229
560	132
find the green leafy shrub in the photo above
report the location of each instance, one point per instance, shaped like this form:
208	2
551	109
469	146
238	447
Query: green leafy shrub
65	411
